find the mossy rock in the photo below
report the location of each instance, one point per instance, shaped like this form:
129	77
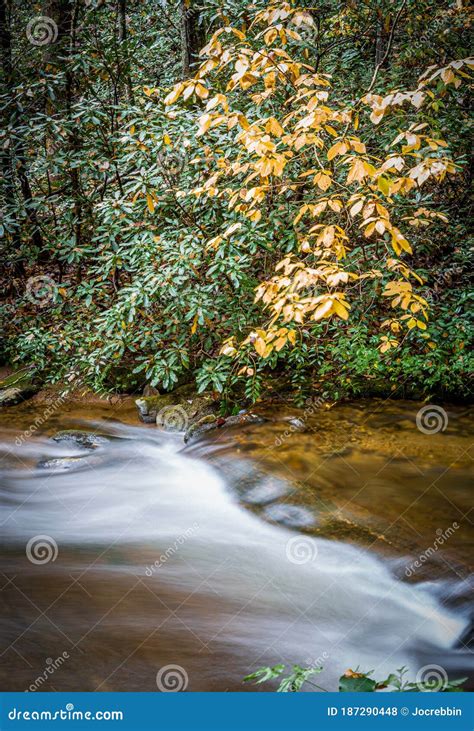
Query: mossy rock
17	387
206	423
178	410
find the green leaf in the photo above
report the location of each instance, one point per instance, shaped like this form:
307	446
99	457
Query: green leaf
294	682
353	684
263	674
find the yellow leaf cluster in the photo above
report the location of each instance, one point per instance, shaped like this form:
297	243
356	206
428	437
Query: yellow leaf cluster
290	149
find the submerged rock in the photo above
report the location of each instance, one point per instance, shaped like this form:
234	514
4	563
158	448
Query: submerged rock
246	417
61	464
265	492
297	424
207	423
83	439
17	387
292	516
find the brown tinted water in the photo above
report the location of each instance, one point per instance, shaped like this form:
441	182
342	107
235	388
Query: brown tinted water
338	536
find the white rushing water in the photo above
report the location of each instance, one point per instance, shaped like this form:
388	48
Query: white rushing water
273	593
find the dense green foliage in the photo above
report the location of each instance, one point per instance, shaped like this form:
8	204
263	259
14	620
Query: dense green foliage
110	270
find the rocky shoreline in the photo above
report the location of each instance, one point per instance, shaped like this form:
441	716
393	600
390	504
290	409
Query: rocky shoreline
183	410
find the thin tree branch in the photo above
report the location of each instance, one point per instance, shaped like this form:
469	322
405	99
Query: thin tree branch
389	45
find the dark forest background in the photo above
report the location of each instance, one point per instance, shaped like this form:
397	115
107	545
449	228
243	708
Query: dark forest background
106	270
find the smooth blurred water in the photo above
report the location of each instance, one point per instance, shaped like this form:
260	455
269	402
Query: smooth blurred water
157	563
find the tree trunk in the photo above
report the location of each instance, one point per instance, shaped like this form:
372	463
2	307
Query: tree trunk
6	158
75	141
379	42
192	35
122	25
13	155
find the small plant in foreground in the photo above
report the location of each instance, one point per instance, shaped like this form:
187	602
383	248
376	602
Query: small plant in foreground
356	681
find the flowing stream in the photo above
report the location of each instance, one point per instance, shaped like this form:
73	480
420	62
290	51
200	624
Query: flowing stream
143	553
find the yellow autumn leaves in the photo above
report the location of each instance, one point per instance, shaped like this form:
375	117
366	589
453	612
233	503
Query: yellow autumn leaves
293	151
450	74
186	89
264	342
